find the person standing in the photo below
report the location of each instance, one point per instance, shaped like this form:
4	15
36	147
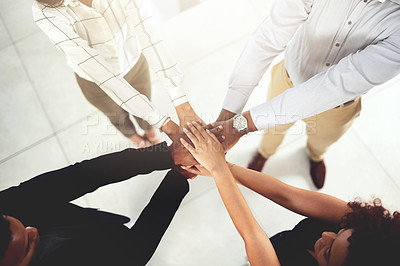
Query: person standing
335	51
110	45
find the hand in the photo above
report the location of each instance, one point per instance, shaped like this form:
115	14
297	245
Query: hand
185	173
186	114
207	150
171	129
180	154
197	170
230	134
225	115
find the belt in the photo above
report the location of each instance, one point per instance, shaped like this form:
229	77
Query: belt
345	104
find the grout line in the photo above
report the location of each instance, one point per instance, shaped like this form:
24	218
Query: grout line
40	141
376	159
37	95
7	31
41	103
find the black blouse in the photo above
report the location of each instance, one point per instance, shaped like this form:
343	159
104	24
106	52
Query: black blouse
291	246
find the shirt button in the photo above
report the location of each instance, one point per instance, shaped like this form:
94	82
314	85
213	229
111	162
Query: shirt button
365	1
349	22
337	44
328	64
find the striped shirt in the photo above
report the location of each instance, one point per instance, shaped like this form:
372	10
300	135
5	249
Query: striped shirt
103	42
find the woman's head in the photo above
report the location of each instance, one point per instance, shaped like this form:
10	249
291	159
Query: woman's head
370	236
376	236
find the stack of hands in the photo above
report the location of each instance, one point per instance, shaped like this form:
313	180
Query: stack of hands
193	131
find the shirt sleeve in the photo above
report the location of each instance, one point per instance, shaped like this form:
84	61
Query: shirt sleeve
156	53
91	62
74	181
353	76
269	40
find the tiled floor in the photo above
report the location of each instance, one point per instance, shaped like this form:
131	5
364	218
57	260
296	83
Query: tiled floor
45	123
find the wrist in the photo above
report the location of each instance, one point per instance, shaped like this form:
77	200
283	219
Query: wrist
225	115
219	168
183	108
251	127
170	128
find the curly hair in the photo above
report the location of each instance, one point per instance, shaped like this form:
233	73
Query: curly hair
5	235
376	236
51	3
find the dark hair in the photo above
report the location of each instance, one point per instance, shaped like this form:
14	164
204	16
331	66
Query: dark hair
376	236
51	3
5	235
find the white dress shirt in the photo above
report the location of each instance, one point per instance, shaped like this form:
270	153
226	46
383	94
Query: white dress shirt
104	42
335	51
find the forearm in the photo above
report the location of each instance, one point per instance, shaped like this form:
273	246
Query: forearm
76	180
235	203
258	246
301	201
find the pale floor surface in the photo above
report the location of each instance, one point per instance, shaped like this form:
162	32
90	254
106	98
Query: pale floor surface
46	123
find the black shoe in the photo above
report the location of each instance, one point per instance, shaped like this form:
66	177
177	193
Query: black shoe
257	163
318	172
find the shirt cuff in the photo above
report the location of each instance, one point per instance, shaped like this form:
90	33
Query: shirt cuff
263	116
235	101
155	118
178	96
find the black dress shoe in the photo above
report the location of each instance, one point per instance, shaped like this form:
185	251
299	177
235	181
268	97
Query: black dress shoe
318	172
257	163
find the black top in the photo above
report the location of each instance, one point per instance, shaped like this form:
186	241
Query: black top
291	246
72	235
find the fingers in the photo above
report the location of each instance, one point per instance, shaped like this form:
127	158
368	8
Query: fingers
201	130
191	170
191	134
187	145
215	130
192	130
213	136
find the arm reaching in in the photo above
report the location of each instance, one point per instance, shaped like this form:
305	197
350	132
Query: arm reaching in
307	203
210	153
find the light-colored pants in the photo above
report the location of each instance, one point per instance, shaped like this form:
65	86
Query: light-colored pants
323	129
139	78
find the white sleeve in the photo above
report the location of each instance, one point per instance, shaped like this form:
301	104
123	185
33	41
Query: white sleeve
270	39
353	76
90	62
156	53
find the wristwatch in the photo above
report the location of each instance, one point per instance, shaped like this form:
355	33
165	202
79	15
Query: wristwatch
240	124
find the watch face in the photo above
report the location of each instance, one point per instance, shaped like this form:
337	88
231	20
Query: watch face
240	123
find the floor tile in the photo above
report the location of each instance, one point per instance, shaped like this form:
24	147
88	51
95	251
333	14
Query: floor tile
22	119
91	137
5	39
201	233
41	158
54	81
379	129
208	26
17	16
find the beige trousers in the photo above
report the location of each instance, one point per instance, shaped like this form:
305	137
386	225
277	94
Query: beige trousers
139	78
323	129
